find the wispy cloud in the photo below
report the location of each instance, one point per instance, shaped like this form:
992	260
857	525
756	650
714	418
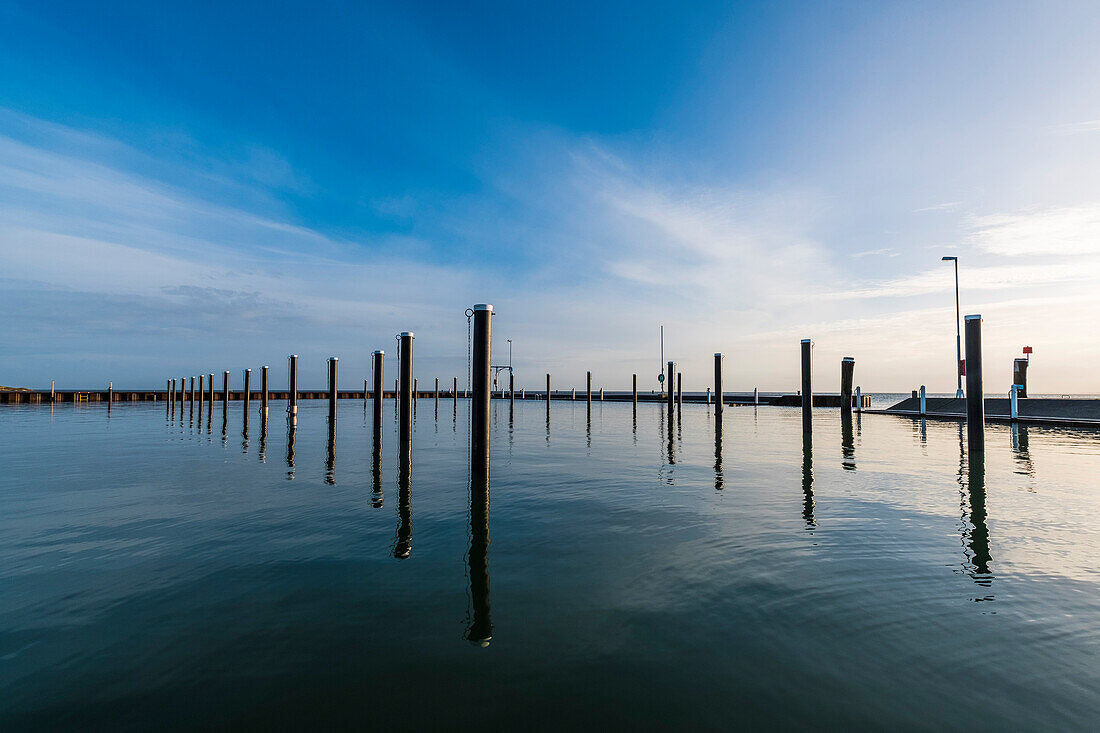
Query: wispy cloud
946	206
888	251
1076	128
1054	231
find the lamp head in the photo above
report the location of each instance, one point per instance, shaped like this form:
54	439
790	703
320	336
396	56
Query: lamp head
948	259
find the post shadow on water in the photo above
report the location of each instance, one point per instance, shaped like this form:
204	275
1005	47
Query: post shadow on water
975	531
402	545
479	626
847	441
808	481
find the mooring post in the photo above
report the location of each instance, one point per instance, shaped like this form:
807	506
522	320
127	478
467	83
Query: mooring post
191	400
511	389
975	397
332	363
111	396
479	408
52	382
172	397
548	388
574	394
755	396
847	377
225	393
601	394
634	390
263	391
247	391
679	389
210	404
718	395
437	393
923	403
859	400
1013	405
807	386
454	389
379	355
202	396
671	390
588	381
405	372
292	371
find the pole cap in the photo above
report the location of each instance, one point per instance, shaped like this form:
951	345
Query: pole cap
379	351
971	318
848	358
403	334
334	358
807	341
483	307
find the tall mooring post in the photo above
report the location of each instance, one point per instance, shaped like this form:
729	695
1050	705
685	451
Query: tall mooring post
263	391
588	382
454	389
547	389
807	385
247	391
202	396
511	389
379	355
111	397
634	390
847	378
480	384
718	398
859	400
436	392
679	389
171	387
292	387
225	392
191	401
671	390
923	402
332	364
975	398
210	404
1019	376
405	381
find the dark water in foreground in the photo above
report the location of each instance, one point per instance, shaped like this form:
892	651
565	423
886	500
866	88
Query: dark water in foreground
157	575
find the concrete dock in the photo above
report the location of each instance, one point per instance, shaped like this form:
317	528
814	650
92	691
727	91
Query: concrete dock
1037	411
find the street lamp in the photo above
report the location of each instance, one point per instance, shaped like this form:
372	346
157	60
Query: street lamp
509	354
958	337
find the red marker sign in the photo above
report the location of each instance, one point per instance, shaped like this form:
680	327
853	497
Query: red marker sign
1027	350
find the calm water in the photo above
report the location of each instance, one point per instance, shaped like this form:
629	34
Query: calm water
162	575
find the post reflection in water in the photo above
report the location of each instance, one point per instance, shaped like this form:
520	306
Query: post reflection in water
808	481
402	546
588	425
671	443
376	497
719	478
263	438
1021	448
291	428
244	433
847	441
548	421
330	459
479	626
975	529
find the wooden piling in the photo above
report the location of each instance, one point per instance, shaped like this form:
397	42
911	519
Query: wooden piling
405	370
379	355
671	369
247	392
263	391
332	363
634	391
975	397
225	393
480	368
588	381
807	386
292	388
718	395
847	376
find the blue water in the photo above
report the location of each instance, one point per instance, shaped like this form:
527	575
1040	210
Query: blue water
162	574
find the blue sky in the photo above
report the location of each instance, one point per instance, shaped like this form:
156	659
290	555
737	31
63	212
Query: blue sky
197	187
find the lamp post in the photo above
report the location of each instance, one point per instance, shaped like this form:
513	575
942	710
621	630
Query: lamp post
958	336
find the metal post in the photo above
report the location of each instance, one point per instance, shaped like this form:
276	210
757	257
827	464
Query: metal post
679	389
172	397
601	394
574	394
511	389
379	355
191	406
589	383
1013	405
111	396
263	390
292	408
332	364
225	393
405	379
547	388
210	404
634	390
479	407
923	402
202	396
859	400
671	392
807	386
454	389
847	376
719	397
247	391
755	396
975	397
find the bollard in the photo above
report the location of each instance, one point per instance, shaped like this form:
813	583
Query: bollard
634	391
975	400
247	392
379	355
332	364
859	400
523	393
365	392
574	394
807	386
292	387
847	376
225	393
416	391
923	403
263	391
671	391
479	407
589	383
719	398
405	379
